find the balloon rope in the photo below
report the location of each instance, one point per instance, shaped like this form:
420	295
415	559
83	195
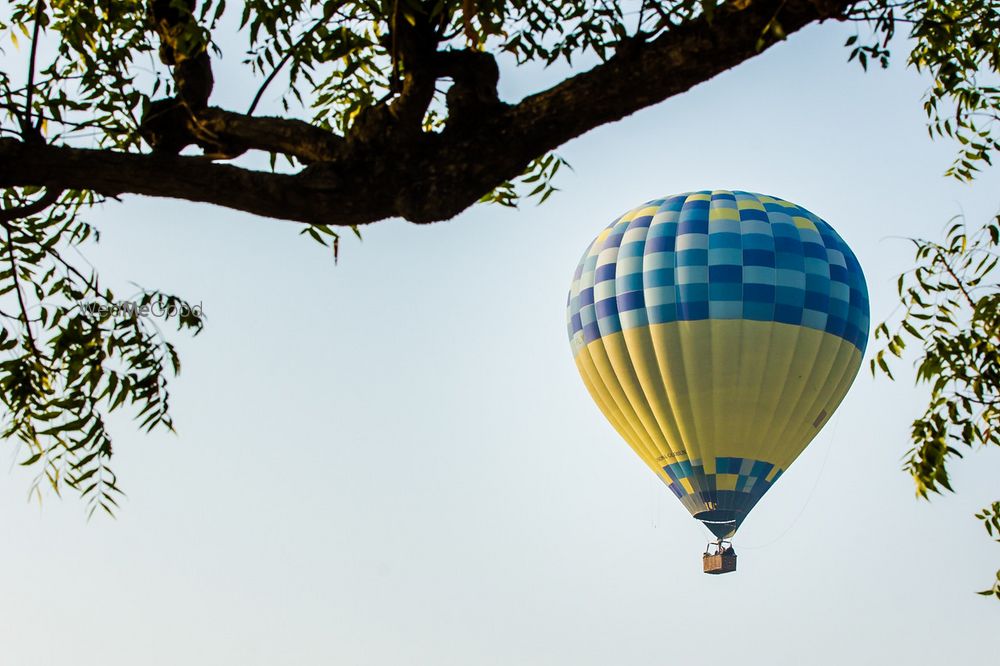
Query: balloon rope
805	505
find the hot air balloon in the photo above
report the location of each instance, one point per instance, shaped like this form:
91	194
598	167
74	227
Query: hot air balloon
718	331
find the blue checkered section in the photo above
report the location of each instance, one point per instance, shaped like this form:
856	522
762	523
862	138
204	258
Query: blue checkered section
752	475
751	484
719	255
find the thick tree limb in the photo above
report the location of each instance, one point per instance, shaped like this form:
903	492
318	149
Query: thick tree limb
382	171
295	138
643	74
498	147
302	197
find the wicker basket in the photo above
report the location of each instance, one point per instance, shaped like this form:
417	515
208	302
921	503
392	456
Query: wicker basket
720	563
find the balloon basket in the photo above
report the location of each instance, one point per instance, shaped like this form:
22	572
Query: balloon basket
720	557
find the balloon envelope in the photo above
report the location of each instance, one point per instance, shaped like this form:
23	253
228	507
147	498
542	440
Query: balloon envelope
718	331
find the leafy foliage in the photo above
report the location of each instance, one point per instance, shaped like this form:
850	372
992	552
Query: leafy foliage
950	298
538	176
991	521
958	43
951	303
71	353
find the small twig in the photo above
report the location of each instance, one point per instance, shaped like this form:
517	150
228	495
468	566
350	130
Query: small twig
49	79
8	215
17	289
394	48
284	60
26	122
91	284
958	282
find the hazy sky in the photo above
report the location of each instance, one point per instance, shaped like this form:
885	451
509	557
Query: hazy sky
393	461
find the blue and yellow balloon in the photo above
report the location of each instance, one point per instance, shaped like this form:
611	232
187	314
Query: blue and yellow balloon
718	331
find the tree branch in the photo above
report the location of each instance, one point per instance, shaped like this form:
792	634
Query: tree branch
642	74
374	174
287	136
303	197
498	147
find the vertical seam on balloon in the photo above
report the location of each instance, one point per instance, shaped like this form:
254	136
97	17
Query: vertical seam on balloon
769	446
644	333
730	503
610	411
622	364
784	433
663	363
621	395
613	408
657	338
692	445
743	498
839	366
712	444
819	399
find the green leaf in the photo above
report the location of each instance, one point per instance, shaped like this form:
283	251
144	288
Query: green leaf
33	459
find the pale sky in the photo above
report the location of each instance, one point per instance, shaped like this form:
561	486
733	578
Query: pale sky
393	461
